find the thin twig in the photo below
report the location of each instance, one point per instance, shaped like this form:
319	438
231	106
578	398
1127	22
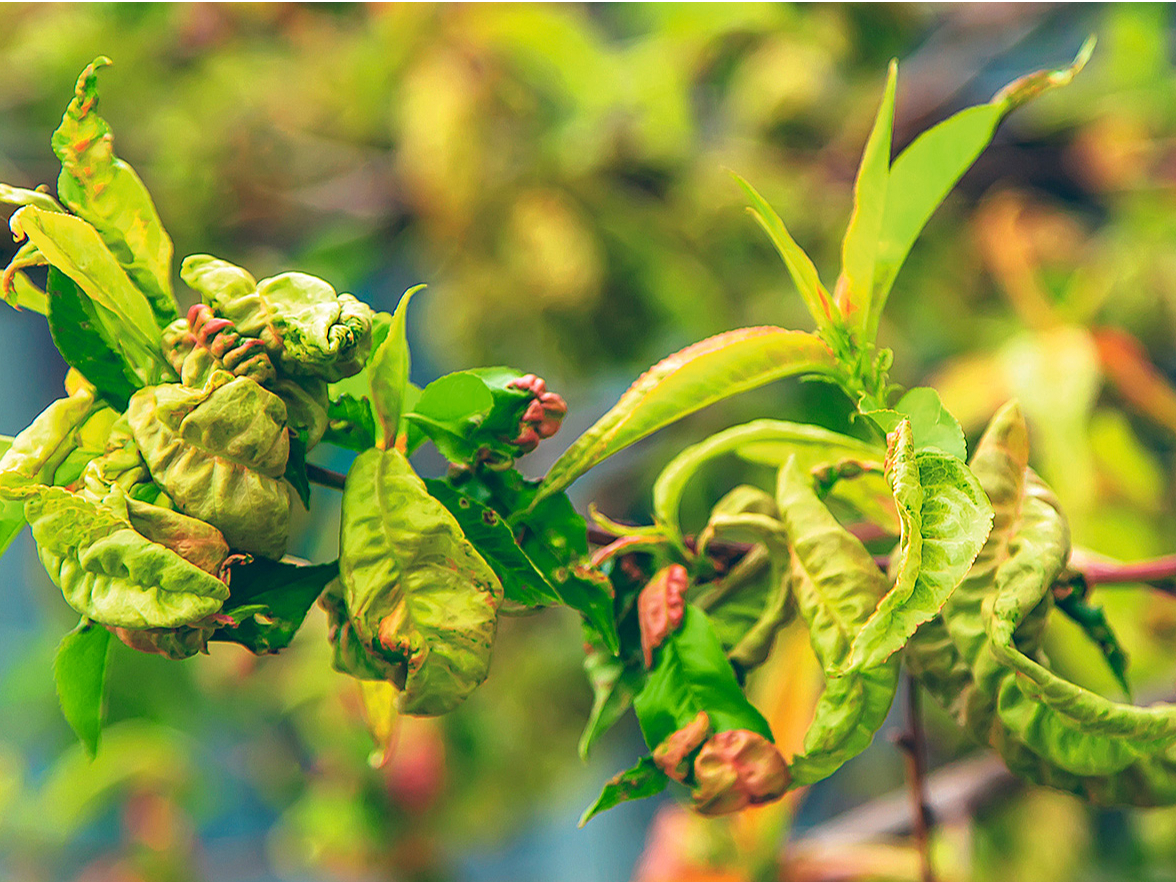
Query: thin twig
324	477
913	746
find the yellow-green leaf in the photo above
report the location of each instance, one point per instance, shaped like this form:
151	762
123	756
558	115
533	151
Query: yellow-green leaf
685	382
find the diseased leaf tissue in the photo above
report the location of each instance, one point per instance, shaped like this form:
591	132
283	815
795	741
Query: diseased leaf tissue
159	491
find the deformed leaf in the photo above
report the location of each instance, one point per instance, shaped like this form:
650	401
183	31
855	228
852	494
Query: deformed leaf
643	780
837	585
945	520
1093	621
350	423
421	601
103	190
80	672
685	382
932	424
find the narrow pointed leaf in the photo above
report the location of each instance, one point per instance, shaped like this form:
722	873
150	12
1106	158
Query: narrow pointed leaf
685	382
800	266
103	190
859	249
80	672
925	172
388	371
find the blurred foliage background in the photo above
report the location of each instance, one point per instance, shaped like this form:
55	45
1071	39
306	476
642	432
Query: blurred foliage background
558	175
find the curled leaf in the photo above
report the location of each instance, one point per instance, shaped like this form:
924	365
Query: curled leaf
737	769
660	607
421	604
220	453
672	755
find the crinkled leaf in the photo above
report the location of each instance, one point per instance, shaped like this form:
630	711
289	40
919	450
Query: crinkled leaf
220	452
837	585
931	423
110	573
692	674
75	248
800	266
269	601
685	382
350	423
40	449
79	670
859	249
309	330
643	780
945	519
764	441
981	659
925	172
103	190
388	370
495	541
81	337
420	599
614	685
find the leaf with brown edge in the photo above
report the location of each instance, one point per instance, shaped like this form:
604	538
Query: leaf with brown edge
687	381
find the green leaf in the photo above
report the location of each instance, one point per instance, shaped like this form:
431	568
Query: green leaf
81	336
1093	622
449	411
25	295
103	190
421	601
351	424
296	468
925	172
859	249
388	371
269	601
109	572
80	672
20	196
643	780
837	585
800	267
488	532
555	538
692	674
945	519
685	382
932	424
220	452
763	441
74	247
614	685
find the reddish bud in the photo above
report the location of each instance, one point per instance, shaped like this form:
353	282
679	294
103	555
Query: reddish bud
549	427
671	755
737	769
554	404
534	412
527	440
660	607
